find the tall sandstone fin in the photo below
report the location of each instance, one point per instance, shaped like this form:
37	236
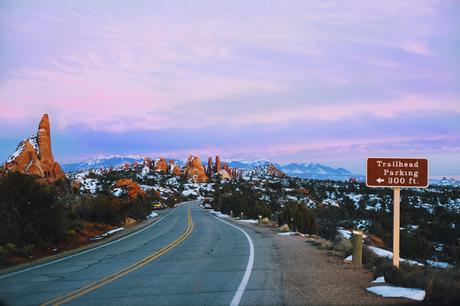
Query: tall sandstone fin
34	156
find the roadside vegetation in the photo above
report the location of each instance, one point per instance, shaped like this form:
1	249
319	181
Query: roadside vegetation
430	221
42	218
37	218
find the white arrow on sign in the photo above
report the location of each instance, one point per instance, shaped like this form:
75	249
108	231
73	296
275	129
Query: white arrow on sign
380	180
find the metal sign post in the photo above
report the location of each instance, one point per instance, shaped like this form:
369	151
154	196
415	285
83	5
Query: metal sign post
396	172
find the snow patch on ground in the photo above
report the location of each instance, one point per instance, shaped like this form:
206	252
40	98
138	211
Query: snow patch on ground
389	291
189	192
249	221
384	253
218	214
439	264
344	233
287	234
113	231
378	280
152	215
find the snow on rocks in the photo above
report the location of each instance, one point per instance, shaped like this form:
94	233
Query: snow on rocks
390	291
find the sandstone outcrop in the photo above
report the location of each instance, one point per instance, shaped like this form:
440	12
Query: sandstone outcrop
224	175
273	171
194	170
132	187
161	165
173	168
218	164
34	156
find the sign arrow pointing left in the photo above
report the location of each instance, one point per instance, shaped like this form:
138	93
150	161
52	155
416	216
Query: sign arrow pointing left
380	180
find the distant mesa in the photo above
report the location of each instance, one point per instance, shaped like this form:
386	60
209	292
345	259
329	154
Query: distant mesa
34	156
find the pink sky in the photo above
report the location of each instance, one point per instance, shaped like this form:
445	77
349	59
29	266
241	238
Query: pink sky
282	80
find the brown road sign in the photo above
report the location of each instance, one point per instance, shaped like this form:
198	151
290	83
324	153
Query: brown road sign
397	172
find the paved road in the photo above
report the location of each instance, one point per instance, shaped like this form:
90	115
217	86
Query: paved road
189	257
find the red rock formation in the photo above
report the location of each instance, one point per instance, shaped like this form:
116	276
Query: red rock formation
161	165
273	171
226	168
224	175
34	156
133	188
218	164
173	168
147	162
195	171
210	169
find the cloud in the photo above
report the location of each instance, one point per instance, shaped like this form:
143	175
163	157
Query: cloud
238	67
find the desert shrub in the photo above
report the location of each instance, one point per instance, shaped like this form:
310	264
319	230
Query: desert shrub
261	209
415	246
343	245
29	212
299	217
137	209
338	244
101	209
442	286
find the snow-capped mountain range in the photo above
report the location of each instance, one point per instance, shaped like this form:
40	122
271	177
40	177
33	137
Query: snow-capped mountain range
303	170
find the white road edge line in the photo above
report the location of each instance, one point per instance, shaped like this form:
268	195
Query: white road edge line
87	251
247	274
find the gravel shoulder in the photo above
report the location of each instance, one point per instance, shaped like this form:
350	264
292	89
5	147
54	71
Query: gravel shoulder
310	276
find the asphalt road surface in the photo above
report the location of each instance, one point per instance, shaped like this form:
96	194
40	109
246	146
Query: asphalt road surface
188	257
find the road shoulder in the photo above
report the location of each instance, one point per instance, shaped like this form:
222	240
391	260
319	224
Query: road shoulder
310	276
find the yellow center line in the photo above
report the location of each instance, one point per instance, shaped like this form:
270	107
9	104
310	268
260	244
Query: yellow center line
108	279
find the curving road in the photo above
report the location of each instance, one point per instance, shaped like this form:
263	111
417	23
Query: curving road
188	257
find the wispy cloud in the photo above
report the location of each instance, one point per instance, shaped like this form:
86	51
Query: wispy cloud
206	65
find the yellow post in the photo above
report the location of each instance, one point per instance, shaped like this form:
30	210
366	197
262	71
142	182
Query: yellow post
396	218
357	241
